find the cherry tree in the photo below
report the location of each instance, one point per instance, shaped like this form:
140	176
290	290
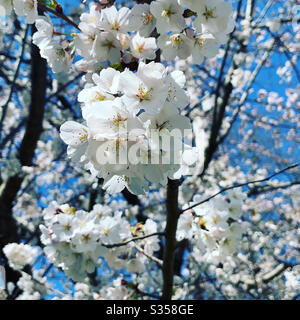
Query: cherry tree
149	149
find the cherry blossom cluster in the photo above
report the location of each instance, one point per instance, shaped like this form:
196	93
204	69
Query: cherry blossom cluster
121	110
211	23
23	8
20	255
133	132
214	226
75	239
207	25
186	28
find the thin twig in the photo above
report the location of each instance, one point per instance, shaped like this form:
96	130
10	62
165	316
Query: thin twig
240	185
19	62
60	15
151	257
60	89
246	91
121	244
268	188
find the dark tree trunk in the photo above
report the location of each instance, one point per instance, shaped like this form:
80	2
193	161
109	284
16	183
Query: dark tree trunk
34	127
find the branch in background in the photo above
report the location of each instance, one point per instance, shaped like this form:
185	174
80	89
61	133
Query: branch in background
264	11
8	56
8	225
133	200
134	287
219	108
10	136
246	92
64	86
216	126
13	84
10	82
149	256
58	14
240	185
144	1
121	244
287	54
263	189
267	277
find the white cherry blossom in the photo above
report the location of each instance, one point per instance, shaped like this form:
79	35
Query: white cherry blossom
215	17
7	6
143	48
175	44
142	20
168	16
115	21
27	8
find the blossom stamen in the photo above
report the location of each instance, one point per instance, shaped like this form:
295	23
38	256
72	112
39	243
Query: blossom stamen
209	13
147	18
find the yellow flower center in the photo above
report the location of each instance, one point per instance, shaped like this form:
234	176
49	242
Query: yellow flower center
209	13
109	44
86	237
92	19
106	231
91	38
98	97
83	136
117	120
60	53
202	223
147	18
189	224
83	223
144	94
30	3
116	26
176	40
200	41
67	227
140	47
166	13
118	142
72	210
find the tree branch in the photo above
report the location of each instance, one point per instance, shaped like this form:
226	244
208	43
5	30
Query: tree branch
240	185
13	84
246	92
8	225
60	15
263	189
121	244
149	256
267	277
170	245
